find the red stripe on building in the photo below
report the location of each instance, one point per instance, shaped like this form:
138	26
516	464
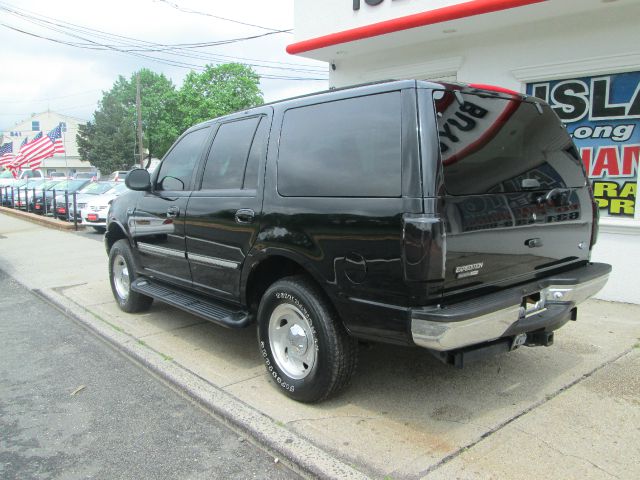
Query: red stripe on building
445	14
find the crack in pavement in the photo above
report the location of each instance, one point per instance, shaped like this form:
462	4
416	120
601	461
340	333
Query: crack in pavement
565	454
243	380
500	426
62	288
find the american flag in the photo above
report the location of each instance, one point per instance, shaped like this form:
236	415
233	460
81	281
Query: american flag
6	154
52	144
21	158
56	137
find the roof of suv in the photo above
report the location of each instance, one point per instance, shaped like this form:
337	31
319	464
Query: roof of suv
380	86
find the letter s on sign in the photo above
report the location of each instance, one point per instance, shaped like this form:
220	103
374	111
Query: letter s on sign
569	99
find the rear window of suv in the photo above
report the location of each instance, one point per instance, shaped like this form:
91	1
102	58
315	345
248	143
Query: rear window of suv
344	148
492	145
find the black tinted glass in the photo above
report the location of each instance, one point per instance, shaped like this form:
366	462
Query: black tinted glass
491	145
228	155
346	148
257	153
177	167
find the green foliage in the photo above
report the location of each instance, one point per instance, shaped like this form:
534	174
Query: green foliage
109	141
218	90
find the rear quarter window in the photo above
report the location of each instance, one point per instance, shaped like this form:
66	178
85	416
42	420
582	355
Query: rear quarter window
344	148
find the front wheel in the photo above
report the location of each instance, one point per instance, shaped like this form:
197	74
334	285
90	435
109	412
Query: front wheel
121	274
306	349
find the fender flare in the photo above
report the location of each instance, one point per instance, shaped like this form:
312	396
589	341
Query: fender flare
257	256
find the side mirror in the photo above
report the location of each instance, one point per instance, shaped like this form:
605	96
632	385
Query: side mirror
138	179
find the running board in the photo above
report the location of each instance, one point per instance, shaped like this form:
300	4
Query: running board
202	307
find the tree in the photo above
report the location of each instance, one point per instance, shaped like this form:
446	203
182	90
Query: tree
109	142
218	90
161	122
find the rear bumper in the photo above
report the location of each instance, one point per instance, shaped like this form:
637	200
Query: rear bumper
100	222
507	313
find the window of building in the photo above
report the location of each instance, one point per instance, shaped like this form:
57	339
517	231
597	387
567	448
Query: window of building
35	126
63	126
177	167
345	148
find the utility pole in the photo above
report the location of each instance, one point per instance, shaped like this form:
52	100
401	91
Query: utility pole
139	110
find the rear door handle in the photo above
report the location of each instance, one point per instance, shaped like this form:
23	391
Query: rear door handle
173	212
245	215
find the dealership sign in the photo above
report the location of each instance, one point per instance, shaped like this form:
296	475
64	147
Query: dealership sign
603	116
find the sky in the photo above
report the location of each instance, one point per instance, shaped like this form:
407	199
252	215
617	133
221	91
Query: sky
39	74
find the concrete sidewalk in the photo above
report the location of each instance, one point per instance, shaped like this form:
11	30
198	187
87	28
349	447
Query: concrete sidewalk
570	410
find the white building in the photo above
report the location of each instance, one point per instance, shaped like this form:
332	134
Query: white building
582	56
69	162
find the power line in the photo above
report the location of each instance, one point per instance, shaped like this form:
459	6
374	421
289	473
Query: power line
174	63
31	16
52	24
138	48
197	12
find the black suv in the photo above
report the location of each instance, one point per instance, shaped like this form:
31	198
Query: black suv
451	217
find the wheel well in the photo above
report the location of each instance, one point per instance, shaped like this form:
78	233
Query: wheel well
114	234
266	273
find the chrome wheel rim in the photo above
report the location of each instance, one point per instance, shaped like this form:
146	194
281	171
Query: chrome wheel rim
121	277
291	341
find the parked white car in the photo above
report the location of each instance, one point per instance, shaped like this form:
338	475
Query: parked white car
94	214
83	196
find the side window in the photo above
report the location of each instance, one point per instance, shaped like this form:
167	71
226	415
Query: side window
345	148
258	152
227	158
177	167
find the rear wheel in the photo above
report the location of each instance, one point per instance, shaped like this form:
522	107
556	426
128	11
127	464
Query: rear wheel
306	349
121	275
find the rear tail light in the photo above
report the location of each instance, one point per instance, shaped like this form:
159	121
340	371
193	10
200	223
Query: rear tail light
425	247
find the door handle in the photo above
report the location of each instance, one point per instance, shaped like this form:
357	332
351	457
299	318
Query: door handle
245	215
173	212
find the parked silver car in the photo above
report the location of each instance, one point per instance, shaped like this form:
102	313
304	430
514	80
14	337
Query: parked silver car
83	196
94	213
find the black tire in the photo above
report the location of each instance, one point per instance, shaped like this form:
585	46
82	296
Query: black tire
99	229
121	273
295	316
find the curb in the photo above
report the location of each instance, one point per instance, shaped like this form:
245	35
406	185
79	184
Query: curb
304	457
41	220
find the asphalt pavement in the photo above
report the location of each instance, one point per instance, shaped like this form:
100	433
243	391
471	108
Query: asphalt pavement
73	407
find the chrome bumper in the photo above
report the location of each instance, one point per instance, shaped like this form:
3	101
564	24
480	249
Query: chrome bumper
444	329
